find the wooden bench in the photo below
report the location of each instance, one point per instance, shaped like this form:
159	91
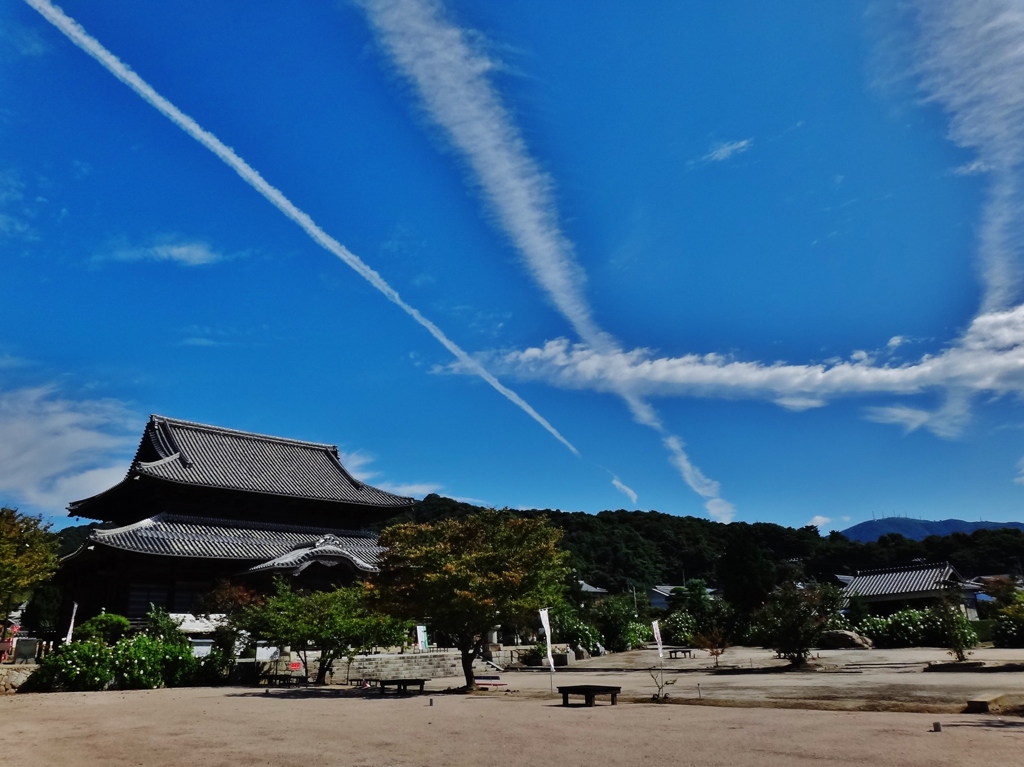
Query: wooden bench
588	691
402	685
685	652
489	681
286	680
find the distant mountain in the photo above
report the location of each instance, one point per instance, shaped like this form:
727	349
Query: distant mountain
919	529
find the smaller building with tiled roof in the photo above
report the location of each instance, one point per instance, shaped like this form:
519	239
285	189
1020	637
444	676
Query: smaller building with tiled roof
200	504
887	590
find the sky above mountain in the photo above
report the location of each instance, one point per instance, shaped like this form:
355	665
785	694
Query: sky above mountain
750	261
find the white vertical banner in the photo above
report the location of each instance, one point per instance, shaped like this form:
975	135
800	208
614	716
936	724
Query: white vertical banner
421	638
547	636
657	638
71	626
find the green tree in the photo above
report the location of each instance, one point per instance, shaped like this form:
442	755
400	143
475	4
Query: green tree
28	555
464	576
955	631
337	623
794	618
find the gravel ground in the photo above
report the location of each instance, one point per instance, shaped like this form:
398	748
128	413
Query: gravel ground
231	726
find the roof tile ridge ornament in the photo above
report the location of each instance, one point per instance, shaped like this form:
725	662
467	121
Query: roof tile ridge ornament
162	430
328	540
159	462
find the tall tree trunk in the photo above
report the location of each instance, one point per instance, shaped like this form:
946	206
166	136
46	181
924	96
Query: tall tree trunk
326	660
468	656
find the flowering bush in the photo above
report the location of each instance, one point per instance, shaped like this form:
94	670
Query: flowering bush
1009	630
567	627
838	622
638	635
679	627
74	667
138	663
919	628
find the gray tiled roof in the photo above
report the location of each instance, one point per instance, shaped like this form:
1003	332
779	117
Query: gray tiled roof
914	579
202	538
211	456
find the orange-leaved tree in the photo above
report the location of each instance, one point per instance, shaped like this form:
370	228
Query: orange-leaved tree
464	576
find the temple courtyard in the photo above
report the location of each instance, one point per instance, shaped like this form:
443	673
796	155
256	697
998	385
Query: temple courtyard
859	708
335	726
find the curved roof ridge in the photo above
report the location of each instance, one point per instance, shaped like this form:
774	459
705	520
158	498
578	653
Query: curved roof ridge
903	568
240	433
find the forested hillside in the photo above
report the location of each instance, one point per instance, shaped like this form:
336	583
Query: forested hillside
614	549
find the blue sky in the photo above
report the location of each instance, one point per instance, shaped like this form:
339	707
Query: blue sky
751	261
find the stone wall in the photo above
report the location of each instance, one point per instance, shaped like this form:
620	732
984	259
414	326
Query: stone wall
425	665
12	677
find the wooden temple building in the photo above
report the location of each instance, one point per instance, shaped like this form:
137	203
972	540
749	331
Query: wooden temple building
201	504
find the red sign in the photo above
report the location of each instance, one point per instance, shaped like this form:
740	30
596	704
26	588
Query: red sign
294	666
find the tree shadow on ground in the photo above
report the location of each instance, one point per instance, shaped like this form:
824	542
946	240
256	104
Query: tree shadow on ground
990	724
334	692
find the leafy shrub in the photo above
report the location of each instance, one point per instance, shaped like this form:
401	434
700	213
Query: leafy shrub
679	627
985	629
568	627
73	667
1009	630
106	627
838	622
178	665
935	627
638	635
613	616
213	669
138	663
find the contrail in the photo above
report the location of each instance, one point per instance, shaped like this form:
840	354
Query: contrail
450	77
74	32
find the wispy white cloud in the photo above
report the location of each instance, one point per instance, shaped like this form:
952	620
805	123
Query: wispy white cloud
411	489
55	450
724	150
988	359
1019	479
358	464
910	418
23	40
185	253
450	74
625	489
14	213
200	341
76	34
970	61
819	521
